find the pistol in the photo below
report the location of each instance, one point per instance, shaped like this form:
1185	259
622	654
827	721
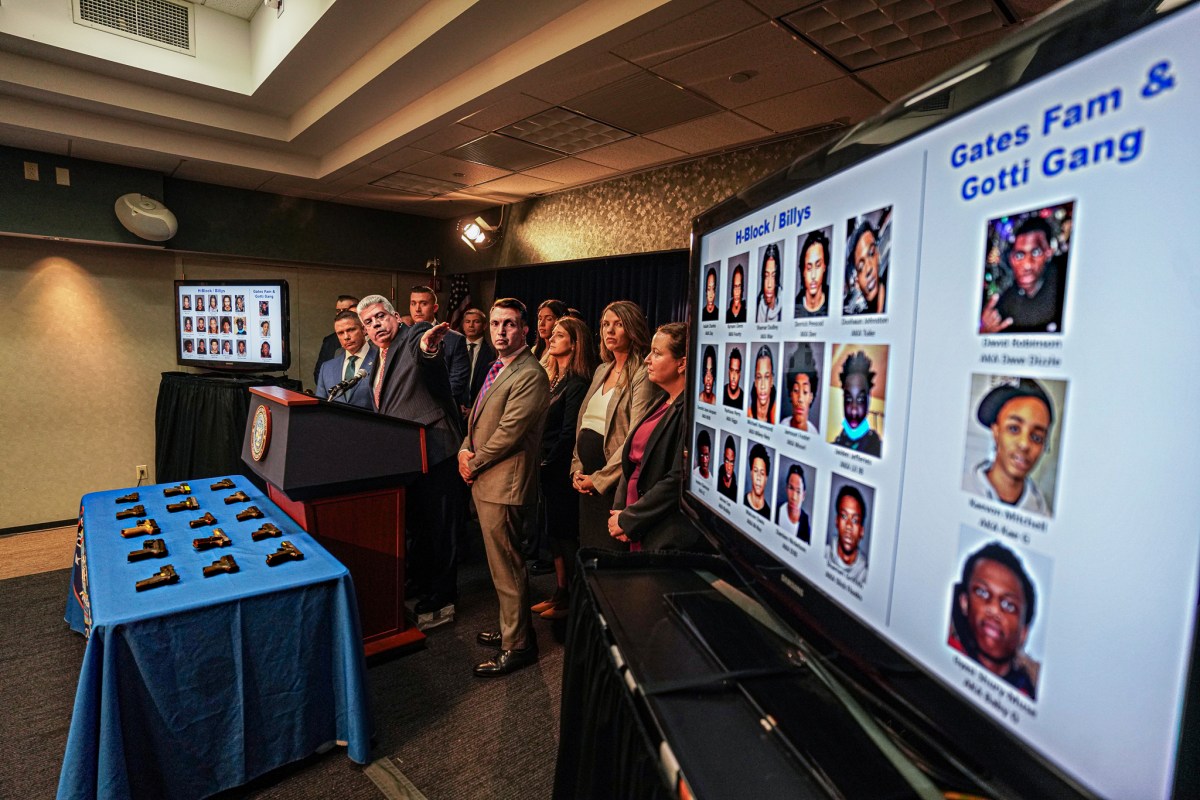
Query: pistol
132	497
144	527
286	552
237	497
207	519
161	578
136	511
265	532
222	564
151	548
183	505
218	539
227	483
250	513
182	488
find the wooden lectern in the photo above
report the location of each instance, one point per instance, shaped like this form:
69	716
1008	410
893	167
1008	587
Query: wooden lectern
340	472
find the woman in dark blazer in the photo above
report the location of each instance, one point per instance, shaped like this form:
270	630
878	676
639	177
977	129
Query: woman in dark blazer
646	512
569	362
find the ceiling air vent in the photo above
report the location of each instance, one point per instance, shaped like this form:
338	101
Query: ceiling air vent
158	22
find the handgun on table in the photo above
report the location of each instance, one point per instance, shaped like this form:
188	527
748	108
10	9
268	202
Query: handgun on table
144	527
151	548
267	531
286	552
132	497
237	497
182	488
222	564
218	539
183	505
136	511
249	513
161	578
207	519
227	483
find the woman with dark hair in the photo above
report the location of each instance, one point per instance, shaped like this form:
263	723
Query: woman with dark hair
265	350
618	396
549	312
708	379
762	399
737	302
570	364
710	312
645	513
769	309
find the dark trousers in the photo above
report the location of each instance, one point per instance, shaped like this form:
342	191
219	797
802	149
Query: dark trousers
435	515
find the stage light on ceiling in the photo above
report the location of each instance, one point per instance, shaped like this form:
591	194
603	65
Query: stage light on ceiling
477	234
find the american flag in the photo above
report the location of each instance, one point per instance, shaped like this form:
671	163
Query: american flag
460	300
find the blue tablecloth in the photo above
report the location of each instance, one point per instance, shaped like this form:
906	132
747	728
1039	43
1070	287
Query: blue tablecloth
195	687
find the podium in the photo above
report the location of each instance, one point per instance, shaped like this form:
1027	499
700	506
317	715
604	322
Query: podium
340	472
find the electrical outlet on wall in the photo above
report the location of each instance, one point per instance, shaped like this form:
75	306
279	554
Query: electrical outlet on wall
142	473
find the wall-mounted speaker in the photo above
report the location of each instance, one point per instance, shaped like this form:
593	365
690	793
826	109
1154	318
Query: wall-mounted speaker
146	217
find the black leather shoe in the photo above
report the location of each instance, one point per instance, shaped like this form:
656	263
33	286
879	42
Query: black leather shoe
490	638
507	661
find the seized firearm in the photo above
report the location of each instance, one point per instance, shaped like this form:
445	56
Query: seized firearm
144	527
151	548
183	505
218	539
161	578
227	483
249	513
132	497
265	532
237	497
222	564
286	552
136	511
182	488
207	519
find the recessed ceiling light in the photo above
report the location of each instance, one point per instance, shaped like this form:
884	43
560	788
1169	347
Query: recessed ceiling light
742	77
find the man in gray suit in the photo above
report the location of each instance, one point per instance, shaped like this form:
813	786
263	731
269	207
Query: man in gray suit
410	382
423	307
499	461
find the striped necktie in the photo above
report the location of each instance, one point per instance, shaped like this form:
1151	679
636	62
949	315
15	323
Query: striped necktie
379	374
487	382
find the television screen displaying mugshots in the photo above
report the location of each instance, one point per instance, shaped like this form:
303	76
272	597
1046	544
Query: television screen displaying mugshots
919	376
232	325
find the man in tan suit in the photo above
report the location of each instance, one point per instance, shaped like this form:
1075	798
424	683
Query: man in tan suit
499	460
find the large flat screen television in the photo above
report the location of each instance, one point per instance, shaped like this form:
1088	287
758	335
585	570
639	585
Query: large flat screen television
929	401
239	325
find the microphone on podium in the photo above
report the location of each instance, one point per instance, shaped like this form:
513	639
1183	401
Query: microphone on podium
347	384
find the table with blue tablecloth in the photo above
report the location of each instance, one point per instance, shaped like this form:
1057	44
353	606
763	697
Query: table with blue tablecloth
194	687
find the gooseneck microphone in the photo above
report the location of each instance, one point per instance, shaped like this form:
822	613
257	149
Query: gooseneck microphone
346	385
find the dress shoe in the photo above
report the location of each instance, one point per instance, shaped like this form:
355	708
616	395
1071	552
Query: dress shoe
559	598
490	638
555	611
507	661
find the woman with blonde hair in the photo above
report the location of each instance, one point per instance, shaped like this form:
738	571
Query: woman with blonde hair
618	395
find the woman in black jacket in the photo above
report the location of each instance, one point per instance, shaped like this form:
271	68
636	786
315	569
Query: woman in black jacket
646	511
569	362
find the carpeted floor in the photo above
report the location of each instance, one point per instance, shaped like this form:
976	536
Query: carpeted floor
452	735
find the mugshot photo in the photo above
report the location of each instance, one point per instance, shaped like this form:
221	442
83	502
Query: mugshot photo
708	376
757	479
226	303
1025	271
226	348
187	302
212	325
201	347
735	271
702	454
764	391
848	530
768	307
226	325
187	325
868	257
241	347
710	291
239	303
803	368
212	302
727	482
794	486
732	394
189	346
264	308
857	394
997	602
214	347
814	255
240	324
1013	433
199	302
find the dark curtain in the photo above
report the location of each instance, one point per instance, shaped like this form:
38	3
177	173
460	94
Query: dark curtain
657	282
200	422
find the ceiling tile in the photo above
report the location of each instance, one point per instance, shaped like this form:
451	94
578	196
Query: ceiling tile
400	159
416	184
774	60
564	131
777	8
456	170
897	78
682	35
364	174
492	196
507	111
504	152
843	98
633	154
710	133
446	138
570	171
642	103
570	77
521	184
